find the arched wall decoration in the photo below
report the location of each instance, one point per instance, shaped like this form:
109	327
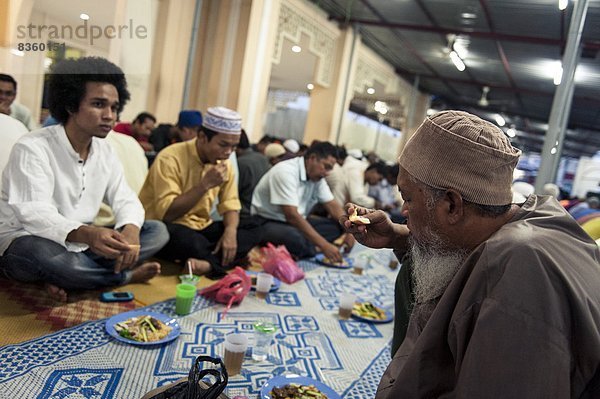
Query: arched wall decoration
367	73
293	22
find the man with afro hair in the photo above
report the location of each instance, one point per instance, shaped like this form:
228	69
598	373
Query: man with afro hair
55	181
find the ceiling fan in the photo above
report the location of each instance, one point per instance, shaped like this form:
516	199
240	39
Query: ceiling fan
485	102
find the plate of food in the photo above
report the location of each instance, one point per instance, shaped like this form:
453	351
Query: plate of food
282	387
141	327
366	311
346	263
274	286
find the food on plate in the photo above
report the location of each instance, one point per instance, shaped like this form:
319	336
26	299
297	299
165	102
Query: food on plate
343	263
368	311
143	329
297	391
354	218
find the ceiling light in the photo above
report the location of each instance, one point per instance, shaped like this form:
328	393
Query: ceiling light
296	49
458	63
371	90
553	150
16	52
381	107
562	4
511	132
310	86
558	71
84	16
468	15
499	120
431	111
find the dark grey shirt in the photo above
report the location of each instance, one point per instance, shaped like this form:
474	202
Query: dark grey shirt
252	166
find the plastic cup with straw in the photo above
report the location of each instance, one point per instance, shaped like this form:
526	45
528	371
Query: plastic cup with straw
189	278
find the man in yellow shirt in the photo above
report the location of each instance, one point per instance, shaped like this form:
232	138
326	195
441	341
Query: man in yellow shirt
182	185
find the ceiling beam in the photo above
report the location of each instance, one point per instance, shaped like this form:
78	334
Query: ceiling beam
501	52
459	31
411	49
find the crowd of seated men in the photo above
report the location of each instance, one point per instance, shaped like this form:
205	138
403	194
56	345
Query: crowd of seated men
500	294
198	189
214	195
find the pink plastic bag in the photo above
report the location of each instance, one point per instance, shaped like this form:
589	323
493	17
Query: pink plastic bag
278	262
230	289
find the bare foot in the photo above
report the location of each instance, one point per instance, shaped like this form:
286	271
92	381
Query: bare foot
145	272
199	267
56	293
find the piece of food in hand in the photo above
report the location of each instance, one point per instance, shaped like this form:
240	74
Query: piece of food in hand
368	311
297	391
143	329
343	262
354	218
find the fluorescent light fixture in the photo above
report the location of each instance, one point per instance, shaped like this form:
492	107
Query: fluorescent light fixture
511	132
296	49
84	16
458	63
562	4
16	52
371	90
461	46
499	120
558	71
310	86
468	15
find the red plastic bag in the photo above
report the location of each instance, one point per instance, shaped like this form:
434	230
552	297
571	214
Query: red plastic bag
230	289
278	262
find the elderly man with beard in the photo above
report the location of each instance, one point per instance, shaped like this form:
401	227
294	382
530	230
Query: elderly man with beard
507	297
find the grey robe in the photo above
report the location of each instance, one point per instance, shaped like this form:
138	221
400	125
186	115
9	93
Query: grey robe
520	319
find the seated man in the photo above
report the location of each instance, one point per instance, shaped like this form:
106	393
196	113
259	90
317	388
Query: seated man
286	194
188	125
182	185
351	182
11	130
56	180
8	106
252	166
506	295
139	129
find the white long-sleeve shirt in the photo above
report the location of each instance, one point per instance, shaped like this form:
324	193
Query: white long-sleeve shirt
347	183
49	191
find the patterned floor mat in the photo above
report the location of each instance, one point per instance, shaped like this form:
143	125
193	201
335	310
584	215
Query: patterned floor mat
30	306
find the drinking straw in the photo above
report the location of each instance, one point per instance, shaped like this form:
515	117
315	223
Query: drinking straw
189	263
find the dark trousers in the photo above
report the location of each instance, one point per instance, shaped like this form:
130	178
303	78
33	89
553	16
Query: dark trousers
282	233
31	259
199	244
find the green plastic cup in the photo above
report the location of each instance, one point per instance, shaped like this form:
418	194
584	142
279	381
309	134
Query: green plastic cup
184	298
187	279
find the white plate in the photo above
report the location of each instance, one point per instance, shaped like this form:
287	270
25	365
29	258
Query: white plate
282	380
169	321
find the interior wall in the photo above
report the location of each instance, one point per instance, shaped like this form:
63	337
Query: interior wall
361	132
587	177
135	56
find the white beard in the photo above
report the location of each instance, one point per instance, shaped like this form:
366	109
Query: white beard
434	266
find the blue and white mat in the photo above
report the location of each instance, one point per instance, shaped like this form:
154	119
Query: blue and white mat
348	355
